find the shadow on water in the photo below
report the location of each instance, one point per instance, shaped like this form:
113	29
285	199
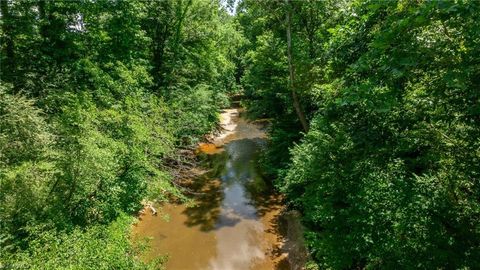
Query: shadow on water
237	192
207	204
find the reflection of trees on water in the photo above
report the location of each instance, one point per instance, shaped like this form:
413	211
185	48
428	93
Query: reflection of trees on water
207	204
233	189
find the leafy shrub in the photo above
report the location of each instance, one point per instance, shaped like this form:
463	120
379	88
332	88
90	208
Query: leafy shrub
98	247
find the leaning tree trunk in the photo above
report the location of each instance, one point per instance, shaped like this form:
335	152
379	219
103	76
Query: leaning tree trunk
296	102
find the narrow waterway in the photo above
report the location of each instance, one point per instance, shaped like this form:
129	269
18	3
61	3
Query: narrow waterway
234	223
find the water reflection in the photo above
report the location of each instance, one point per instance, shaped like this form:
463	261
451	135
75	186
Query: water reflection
239	232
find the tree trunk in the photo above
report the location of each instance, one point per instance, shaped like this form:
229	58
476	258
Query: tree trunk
296	102
7	25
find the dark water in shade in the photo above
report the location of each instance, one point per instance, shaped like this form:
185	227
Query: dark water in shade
233	224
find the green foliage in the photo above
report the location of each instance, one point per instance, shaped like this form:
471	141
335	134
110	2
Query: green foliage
94	99
387	176
24	132
26	167
192	113
265	77
98	247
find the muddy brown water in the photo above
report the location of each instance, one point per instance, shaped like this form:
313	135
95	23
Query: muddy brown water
234	223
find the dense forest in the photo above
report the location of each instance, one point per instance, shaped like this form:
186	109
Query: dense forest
387	171
374	109
96	97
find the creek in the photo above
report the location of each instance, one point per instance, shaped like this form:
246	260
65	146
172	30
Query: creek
235	221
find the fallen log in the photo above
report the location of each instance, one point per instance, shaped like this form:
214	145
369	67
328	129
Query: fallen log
154	211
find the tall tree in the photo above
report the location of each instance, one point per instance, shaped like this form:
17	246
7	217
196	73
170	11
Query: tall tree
291	68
